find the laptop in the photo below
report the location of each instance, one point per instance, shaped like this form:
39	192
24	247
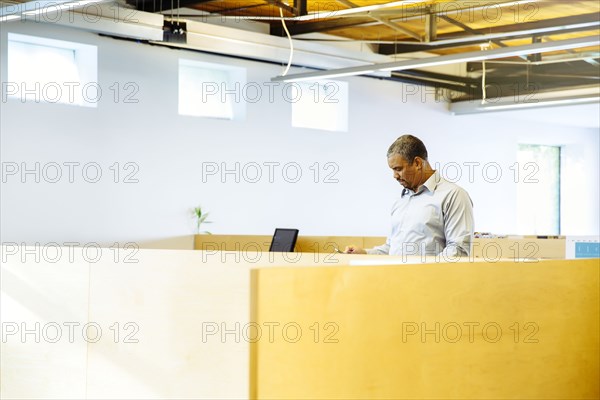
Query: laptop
284	240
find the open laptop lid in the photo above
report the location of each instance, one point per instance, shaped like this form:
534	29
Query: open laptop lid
284	240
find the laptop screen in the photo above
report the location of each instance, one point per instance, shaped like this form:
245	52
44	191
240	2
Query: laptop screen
284	240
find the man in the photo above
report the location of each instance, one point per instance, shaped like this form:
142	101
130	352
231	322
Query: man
432	216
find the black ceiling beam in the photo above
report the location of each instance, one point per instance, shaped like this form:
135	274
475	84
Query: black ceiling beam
163	5
541	24
522	90
424	82
297	28
237	9
575	67
301	7
468	29
535	56
283	6
539	83
441	77
388	49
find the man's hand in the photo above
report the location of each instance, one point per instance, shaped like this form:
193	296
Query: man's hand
354	250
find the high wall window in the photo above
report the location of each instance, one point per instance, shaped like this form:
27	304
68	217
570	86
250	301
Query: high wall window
320	105
211	90
44	70
538	192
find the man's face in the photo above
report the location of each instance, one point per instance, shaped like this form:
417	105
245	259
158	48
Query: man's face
408	174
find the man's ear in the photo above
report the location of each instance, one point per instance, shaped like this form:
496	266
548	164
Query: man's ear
418	162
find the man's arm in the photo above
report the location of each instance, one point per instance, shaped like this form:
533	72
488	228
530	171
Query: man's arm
458	224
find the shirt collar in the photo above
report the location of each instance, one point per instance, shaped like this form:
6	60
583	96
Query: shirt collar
430	184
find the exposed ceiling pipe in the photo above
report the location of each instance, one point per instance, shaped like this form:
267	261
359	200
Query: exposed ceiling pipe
200	36
235	42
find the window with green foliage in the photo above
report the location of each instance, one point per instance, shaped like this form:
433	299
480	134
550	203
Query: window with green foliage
538	192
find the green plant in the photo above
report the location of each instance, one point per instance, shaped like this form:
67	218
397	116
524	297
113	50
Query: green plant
201	219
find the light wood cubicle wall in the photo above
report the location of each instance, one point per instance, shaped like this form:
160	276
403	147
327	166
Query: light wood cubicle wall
489	249
434	331
127	324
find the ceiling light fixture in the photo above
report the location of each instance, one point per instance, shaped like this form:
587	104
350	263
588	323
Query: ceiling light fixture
53	7
17	10
368	71
10	17
506	104
534	48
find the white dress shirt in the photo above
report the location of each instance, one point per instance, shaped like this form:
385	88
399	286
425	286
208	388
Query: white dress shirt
437	219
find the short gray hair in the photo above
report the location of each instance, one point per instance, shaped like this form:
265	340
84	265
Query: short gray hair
408	147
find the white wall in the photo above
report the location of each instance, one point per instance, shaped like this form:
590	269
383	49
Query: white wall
170	149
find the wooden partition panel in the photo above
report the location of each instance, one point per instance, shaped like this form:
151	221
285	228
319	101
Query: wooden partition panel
489	249
130	324
305	244
525	248
176	324
43	308
372	241
169	243
326	244
232	242
433	331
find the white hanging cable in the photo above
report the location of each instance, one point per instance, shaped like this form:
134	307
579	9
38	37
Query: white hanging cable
291	44
483	47
483	90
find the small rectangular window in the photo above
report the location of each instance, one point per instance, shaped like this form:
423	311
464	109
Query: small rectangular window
51	71
538	190
320	105
211	90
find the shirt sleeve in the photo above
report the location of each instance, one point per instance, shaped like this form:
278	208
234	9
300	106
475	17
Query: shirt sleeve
458	224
